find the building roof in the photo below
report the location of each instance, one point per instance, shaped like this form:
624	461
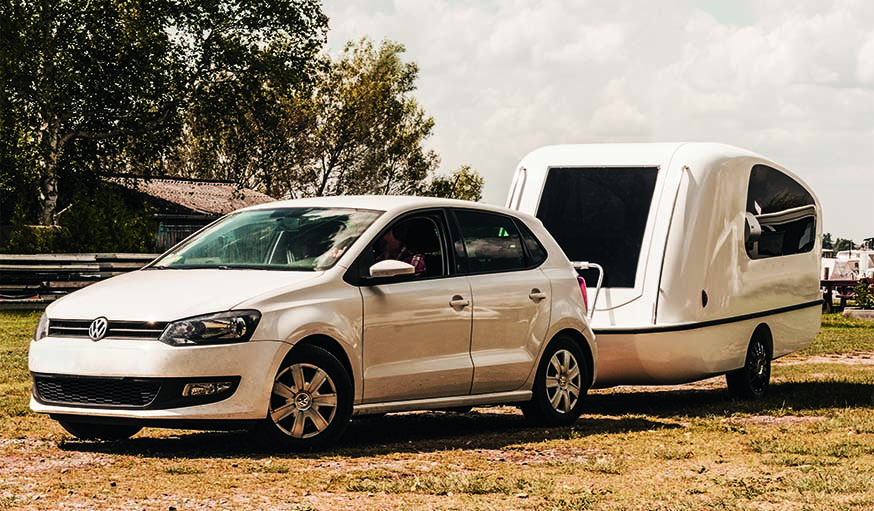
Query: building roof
189	196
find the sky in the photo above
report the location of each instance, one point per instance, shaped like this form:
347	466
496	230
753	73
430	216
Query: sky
792	80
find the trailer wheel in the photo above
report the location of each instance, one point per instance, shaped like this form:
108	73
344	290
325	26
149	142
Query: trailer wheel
560	385
751	381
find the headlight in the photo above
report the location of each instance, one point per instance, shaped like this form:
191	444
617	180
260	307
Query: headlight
42	328
218	328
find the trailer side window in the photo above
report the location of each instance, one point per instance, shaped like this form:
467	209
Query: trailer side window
781	215
599	215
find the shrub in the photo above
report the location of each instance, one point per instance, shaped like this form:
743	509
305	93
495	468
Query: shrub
864	298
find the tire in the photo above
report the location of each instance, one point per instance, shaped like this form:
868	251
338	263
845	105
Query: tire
560	385
310	401
90	431
751	381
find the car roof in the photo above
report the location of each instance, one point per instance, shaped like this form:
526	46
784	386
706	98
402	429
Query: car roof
389	203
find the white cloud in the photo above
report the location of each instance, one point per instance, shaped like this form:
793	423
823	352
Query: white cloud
793	80
865	61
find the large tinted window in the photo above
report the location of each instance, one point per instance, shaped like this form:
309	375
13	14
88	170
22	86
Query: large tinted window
492	242
785	212
599	215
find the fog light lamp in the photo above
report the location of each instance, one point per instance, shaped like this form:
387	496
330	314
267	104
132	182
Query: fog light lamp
205	389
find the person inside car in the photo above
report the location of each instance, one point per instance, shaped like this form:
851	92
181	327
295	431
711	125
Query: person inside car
393	246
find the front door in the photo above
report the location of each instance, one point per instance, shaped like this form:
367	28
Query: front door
416	341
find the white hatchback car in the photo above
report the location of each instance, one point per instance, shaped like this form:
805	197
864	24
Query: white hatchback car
291	317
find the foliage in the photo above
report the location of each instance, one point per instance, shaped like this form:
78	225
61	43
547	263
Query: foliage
463	183
364	130
863	297
827	242
105	87
99	219
844	244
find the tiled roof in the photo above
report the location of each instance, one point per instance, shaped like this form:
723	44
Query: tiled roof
199	197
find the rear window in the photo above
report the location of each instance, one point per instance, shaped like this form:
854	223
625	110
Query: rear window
599	215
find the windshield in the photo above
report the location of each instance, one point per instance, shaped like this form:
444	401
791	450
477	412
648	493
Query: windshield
302	239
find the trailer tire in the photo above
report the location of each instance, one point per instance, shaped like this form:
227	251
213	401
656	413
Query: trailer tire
751	381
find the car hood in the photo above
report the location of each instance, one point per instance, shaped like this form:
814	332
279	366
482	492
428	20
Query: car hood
167	295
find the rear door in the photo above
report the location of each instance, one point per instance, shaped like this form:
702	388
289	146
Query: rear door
511	299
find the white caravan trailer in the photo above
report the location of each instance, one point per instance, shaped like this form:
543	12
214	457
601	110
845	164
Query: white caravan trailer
711	256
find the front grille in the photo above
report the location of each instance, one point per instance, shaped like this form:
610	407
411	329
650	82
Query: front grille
96	391
116	330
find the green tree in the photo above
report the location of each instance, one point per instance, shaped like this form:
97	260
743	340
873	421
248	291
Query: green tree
844	244
463	183
105	86
364	129
827	243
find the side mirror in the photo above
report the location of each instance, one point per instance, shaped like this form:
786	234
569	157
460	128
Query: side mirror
391	268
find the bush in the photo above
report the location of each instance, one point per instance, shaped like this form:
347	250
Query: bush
98	220
864	298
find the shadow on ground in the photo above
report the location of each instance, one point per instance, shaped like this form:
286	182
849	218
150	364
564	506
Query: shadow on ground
498	428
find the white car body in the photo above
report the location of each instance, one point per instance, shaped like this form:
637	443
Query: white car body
696	286
454	339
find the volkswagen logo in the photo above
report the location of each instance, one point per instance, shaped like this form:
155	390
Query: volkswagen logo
98	329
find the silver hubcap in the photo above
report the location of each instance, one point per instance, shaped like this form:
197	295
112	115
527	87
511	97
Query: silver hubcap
563	381
304	400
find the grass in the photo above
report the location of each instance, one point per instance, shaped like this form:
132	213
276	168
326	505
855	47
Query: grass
809	445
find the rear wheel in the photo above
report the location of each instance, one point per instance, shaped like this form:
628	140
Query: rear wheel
89	431
560	385
751	381
310	402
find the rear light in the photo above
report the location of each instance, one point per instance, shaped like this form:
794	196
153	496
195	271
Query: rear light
584	291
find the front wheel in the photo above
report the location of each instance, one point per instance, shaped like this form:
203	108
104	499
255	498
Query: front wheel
560	385
90	431
310	401
751	381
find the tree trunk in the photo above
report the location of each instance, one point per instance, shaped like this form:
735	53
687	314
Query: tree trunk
49	195
48	184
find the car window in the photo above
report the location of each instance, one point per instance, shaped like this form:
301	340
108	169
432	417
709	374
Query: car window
416	240
536	254
275	239
785	212
492	242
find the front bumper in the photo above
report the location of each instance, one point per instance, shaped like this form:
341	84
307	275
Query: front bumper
63	366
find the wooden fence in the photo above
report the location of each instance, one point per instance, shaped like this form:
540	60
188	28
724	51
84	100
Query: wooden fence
29	281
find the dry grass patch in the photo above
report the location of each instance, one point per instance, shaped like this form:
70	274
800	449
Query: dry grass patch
808	446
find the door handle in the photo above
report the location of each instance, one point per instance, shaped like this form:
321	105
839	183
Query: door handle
536	295
458	302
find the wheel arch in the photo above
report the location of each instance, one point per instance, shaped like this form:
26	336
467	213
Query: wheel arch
584	345
763	332
330	345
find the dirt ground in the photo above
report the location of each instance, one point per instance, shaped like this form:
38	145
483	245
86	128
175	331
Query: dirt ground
28	467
